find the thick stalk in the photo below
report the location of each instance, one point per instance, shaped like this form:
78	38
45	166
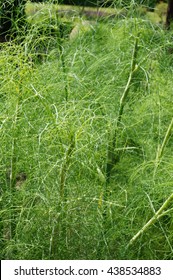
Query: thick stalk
60	227
65	167
61	52
112	157
161	149
155	218
10	224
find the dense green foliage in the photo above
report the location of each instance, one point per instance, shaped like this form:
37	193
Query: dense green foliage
66	99
12	17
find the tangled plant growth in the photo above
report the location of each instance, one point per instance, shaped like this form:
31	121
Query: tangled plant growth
58	122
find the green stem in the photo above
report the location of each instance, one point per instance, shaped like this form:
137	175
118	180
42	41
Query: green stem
157	215
60	41
113	158
60	228
65	167
161	149
10	224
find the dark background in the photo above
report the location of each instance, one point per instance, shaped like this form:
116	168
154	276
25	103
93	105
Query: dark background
105	3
